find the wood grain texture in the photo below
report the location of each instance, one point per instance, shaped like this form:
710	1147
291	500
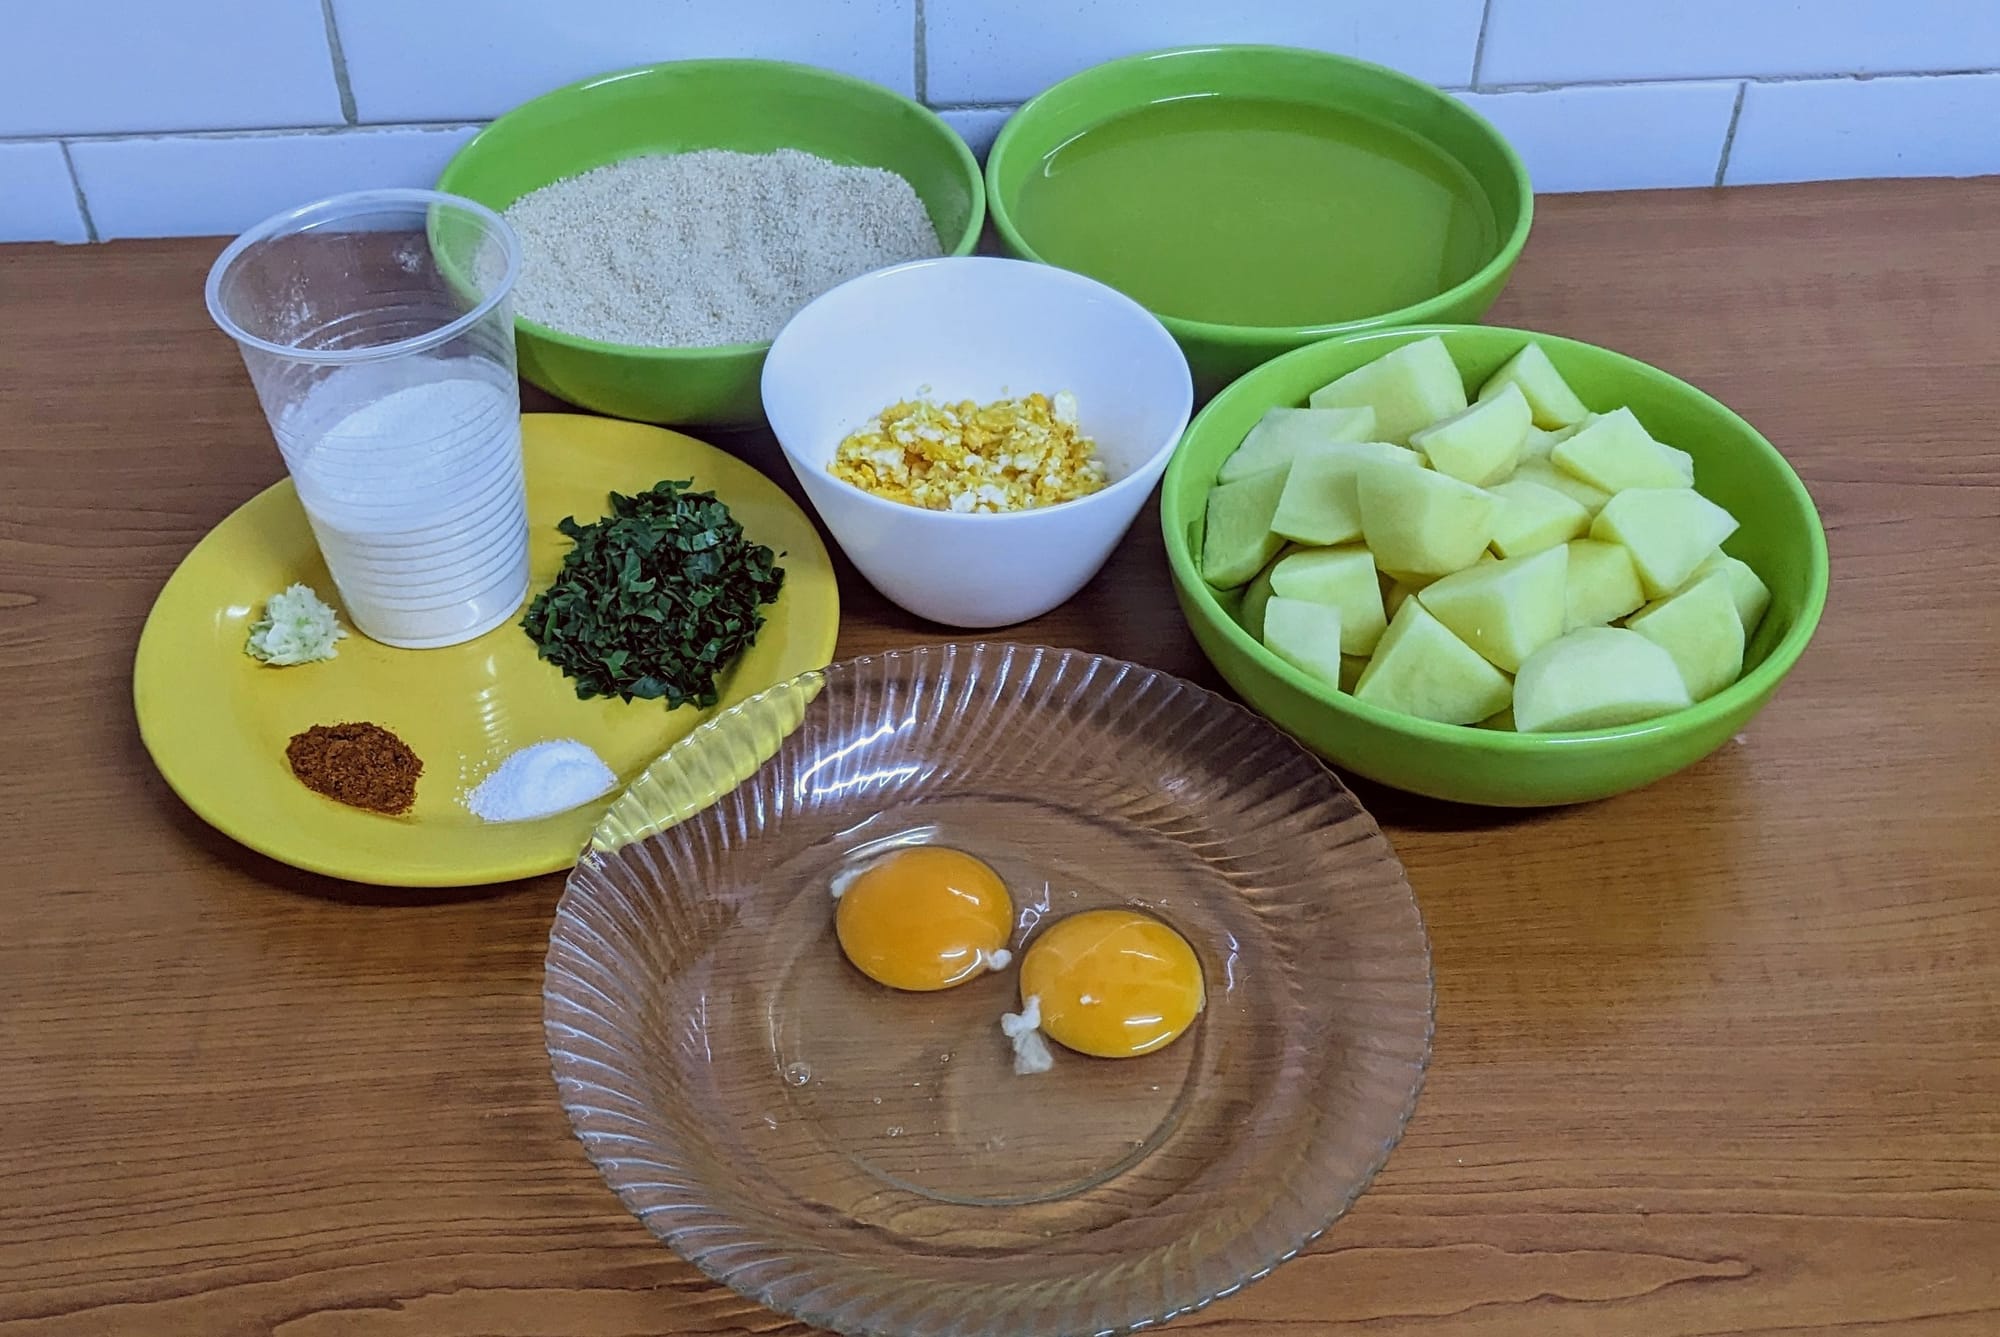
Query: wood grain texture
1719	1057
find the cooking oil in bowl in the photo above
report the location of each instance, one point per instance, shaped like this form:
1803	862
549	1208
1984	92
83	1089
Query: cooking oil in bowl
1247	211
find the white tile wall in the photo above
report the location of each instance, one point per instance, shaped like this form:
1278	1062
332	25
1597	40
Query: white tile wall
71	67
978	126
1598	94
1007	50
436	60
1617	138
1563	41
203	185
37	198
1833	128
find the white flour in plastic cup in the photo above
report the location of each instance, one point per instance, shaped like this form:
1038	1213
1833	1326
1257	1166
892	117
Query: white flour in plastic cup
378	329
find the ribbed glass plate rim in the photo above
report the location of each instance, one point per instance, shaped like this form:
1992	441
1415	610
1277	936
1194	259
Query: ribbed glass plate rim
706	1235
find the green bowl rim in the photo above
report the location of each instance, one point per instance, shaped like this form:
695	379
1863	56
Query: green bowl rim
1742	693
1494	270
975	222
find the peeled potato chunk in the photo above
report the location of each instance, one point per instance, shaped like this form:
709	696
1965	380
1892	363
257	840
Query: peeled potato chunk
1596	678
1410	387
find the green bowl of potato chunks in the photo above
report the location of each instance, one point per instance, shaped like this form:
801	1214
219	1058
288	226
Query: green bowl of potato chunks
1491	566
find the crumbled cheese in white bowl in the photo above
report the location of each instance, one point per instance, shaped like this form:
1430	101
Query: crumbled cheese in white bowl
978	328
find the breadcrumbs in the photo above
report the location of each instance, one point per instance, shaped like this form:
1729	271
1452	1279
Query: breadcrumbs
1010	455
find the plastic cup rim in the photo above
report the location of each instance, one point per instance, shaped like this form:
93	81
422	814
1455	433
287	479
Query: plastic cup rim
356	202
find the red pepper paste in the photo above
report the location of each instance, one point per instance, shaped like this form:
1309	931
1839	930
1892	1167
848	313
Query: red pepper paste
362	765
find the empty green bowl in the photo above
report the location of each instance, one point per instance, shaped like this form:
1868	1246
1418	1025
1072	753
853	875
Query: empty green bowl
1407	174
752	106
1780	538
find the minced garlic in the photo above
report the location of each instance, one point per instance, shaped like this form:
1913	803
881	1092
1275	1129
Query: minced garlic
1010	455
297	628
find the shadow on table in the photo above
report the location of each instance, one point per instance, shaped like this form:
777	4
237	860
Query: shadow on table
269	872
1396	809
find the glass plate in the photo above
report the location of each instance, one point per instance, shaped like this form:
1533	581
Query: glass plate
867	1160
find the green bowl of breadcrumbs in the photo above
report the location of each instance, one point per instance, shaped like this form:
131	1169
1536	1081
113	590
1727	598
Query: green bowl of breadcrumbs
673	217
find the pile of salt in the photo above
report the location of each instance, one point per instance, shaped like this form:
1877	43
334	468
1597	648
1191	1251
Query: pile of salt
541	780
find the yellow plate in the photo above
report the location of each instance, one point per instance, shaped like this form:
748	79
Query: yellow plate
217	721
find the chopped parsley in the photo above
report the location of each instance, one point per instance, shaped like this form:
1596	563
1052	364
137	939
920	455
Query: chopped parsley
655	599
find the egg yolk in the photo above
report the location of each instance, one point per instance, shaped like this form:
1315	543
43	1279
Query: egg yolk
1112	983
924	918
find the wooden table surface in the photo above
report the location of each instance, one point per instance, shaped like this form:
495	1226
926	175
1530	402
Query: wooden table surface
1719	1057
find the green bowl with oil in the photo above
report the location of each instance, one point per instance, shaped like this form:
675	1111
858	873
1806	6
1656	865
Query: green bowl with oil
1780	538
751	106
1258	198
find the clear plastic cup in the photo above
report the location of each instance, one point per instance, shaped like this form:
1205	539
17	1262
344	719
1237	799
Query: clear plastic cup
378	328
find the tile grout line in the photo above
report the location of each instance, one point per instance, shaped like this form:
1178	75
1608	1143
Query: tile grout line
1729	135
76	185
1479	43
338	54
259	132
920	78
999	104
1848	77
922	74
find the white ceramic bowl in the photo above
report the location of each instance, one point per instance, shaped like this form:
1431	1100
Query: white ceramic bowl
980	328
